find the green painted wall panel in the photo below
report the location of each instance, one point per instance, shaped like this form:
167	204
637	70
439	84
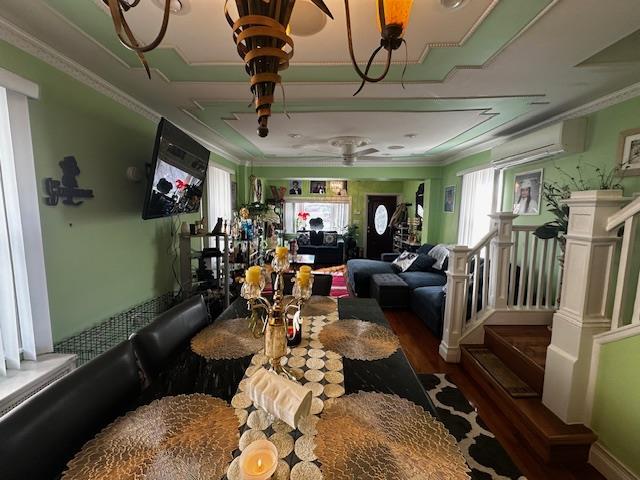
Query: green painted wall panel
101	257
616	416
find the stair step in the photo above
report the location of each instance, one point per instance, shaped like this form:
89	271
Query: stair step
501	373
523	348
551	439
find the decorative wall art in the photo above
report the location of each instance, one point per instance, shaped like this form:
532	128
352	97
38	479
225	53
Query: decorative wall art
67	187
295	187
449	198
338	187
527	193
629	151
318	187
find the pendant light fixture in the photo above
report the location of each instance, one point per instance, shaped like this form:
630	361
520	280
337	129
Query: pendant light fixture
393	18
260	35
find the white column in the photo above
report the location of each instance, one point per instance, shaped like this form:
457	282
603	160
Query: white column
456	303
500	258
584	308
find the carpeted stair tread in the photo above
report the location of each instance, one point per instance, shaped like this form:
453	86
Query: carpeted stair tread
501	373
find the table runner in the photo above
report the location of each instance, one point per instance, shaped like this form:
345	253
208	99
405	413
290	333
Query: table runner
317	368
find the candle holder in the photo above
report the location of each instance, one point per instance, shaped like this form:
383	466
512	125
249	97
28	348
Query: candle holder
270	318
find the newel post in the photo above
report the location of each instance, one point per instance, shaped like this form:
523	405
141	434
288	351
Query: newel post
584	307
456	303
499	259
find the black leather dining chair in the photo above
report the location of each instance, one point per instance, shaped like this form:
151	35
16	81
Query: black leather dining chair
155	343
321	283
42	434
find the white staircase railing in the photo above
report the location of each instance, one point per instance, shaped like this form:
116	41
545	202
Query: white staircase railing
624	295
508	270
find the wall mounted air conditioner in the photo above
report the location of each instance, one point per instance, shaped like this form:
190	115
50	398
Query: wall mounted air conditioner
561	138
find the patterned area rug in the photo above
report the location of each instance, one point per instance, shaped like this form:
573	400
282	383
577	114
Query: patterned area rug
484	454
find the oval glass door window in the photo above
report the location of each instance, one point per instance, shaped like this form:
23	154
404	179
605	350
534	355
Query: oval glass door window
381	219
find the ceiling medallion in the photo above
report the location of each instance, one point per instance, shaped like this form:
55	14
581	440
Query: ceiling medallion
393	17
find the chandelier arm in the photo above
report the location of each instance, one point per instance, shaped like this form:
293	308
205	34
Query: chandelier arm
140	55
366	70
119	21
363	75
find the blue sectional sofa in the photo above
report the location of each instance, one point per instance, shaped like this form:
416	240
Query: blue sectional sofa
426	298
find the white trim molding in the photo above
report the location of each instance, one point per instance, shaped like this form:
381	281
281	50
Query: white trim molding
16	83
616	335
608	465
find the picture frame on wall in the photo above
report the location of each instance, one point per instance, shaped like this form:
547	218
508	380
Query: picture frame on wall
318	187
527	192
449	198
629	151
295	187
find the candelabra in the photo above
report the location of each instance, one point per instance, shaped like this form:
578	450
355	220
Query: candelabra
279	319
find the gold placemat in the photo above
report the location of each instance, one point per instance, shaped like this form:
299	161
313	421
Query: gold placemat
359	340
317	305
226	339
379	436
186	437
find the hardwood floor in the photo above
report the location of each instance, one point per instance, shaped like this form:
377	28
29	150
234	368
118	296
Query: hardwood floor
421	348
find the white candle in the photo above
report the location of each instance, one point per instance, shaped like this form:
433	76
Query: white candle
259	460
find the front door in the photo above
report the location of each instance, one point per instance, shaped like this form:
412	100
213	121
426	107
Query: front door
380	208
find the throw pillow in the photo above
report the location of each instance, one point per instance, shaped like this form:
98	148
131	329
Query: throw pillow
330	239
303	239
404	261
316	238
421	264
440	253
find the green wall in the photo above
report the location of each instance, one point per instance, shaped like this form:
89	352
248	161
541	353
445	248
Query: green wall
616	416
101	257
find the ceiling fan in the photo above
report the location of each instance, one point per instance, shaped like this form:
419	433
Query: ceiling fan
348	148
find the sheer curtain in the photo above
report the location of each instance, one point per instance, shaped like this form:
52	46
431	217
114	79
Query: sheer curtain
17	340
218	196
475	206
335	214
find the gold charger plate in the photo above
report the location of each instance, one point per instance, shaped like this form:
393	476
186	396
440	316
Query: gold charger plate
226	339
186	437
359	340
384	437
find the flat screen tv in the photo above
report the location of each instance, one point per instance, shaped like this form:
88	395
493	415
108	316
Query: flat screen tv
177	174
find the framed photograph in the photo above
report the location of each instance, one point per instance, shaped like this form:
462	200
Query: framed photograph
527	193
629	151
338	187
295	187
449	198
318	187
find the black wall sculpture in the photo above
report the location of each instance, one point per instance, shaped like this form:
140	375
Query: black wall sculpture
67	188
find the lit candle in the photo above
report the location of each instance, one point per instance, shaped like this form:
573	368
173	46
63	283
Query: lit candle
282	252
252	276
259	460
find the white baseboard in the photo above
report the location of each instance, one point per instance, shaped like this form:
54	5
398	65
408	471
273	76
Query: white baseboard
608	465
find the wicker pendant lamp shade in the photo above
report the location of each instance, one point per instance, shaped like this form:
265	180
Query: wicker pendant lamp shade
260	35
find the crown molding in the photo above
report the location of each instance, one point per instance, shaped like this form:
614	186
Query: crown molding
24	41
337	162
606	101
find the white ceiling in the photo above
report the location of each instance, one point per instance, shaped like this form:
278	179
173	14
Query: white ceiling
540	61
316	128
202	35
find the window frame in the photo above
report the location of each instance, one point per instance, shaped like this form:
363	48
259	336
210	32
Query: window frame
337	199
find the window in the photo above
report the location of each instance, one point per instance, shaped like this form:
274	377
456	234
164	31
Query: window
476	203
335	213
25	328
218	195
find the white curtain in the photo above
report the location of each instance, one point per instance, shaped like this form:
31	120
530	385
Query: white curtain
475	206
17	339
218	196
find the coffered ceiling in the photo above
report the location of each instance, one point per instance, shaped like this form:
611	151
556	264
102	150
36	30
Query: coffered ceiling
473	73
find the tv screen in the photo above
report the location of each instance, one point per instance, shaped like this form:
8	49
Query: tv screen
177	176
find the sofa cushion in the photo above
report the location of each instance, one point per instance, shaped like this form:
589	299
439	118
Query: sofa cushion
359	272
423	279
330	239
303	238
316	238
422	263
426	248
404	261
428	303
